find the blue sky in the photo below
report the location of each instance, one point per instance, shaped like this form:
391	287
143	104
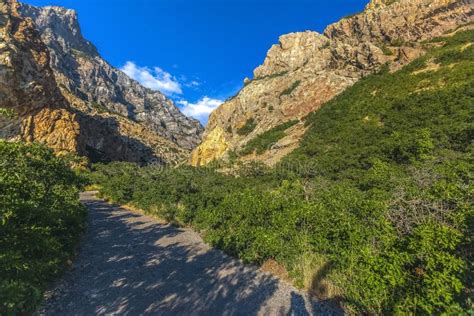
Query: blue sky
197	51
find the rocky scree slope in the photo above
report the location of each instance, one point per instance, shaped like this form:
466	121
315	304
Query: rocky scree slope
57	90
307	69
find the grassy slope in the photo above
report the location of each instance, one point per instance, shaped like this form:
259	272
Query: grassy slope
405	140
365	121
264	141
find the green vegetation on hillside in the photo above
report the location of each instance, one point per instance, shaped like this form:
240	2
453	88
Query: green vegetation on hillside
386	51
291	88
248	127
375	207
262	142
7	113
404	141
40	222
79	54
100	108
272	76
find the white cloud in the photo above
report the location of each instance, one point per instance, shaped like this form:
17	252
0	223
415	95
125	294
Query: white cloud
160	80
191	84
201	109
156	79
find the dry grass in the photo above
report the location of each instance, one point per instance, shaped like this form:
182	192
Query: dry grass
466	46
314	273
92	187
273	267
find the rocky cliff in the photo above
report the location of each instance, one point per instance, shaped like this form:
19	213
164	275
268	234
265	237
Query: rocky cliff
80	70
37	105
31	101
56	89
305	70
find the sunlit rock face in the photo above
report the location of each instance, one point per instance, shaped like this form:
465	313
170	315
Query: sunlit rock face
307	69
56	89
80	70
34	108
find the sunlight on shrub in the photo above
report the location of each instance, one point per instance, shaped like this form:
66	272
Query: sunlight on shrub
377	213
40	223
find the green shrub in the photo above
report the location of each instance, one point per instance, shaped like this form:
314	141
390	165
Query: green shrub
275	75
7	113
435	271
117	179
386	51
379	192
263	141
291	88
79	54
398	42
99	107
404	147
41	220
248	127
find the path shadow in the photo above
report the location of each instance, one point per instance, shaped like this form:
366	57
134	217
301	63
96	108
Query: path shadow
297	306
130	265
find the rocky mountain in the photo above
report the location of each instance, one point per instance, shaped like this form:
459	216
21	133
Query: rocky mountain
56	89
80	70
307	69
31	102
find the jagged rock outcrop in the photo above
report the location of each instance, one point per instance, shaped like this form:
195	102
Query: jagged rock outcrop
80	70
35	109
28	87
401	21
305	70
65	95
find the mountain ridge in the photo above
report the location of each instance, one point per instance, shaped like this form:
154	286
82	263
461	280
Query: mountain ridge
79	68
307	69
59	91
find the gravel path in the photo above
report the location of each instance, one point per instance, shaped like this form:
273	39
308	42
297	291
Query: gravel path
131	264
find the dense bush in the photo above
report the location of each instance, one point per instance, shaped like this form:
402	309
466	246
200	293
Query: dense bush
376	204
247	128
291	88
264	141
40	221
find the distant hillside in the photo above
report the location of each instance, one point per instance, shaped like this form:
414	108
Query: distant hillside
391	116
306	69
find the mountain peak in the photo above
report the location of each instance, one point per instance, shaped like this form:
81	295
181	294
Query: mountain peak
61	25
63	94
80	69
378	4
373	4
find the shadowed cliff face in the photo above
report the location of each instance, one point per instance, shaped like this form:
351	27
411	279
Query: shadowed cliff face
80	70
34	107
307	69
